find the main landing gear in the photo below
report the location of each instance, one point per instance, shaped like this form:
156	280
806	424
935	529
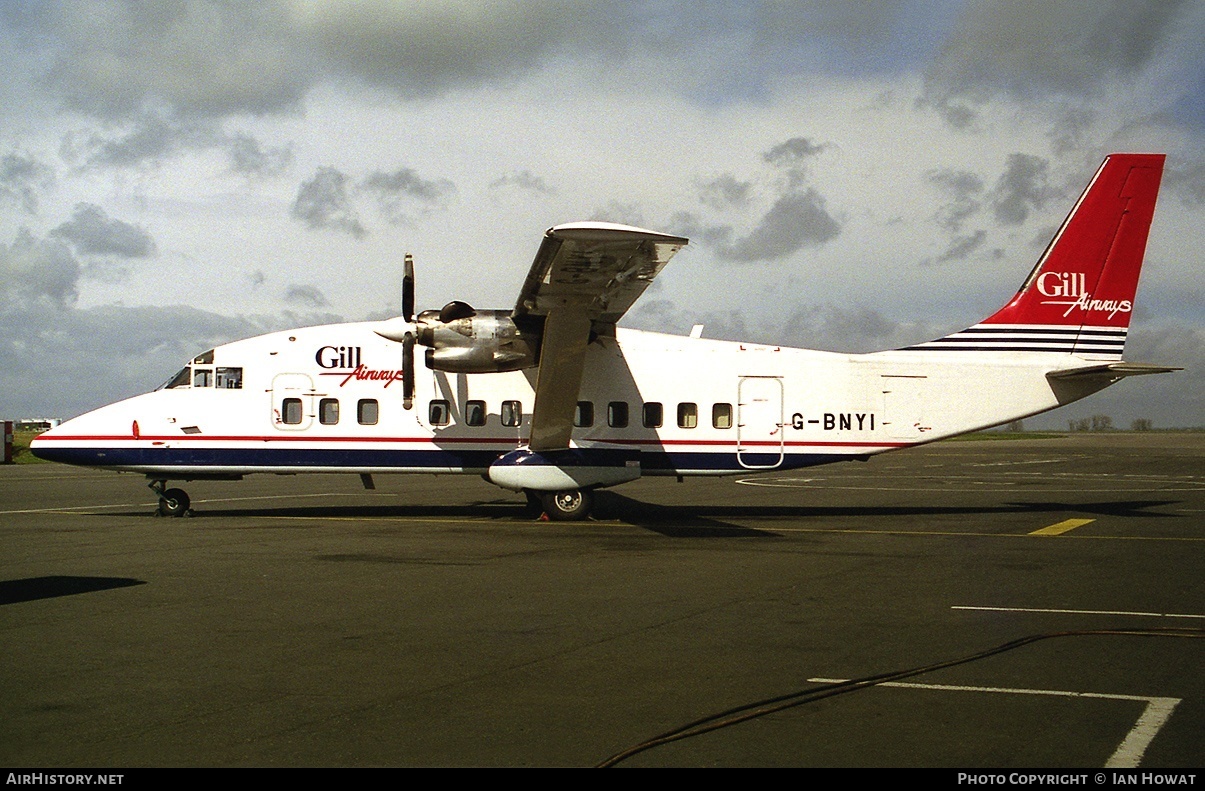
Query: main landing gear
569	505
172	502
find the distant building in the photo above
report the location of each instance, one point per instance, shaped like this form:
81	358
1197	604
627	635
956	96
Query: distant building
36	423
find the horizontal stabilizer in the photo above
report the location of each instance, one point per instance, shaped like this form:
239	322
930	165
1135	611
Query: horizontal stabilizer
1112	371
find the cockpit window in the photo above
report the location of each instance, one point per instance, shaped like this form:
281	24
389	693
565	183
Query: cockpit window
204	359
181	379
229	378
195	376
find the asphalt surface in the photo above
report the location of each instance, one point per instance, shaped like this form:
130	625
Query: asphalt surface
304	621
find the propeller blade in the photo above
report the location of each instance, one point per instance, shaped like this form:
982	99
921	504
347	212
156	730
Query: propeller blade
408	371
408	290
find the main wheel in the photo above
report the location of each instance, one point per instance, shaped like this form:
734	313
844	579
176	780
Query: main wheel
570	505
173	502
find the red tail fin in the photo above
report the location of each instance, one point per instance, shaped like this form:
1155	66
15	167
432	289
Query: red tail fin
1089	272
1079	297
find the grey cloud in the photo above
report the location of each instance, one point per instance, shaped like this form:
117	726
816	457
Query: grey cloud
523	180
791	157
962	186
957	114
92	232
149	139
1023	186
726	192
405	181
322	203
622	213
248	157
209	59
849	329
796	220
854	329
792	153
426	49
1068	131
20	178
1034	46
1187	181
34	271
60	361
961	247
112	58
305	296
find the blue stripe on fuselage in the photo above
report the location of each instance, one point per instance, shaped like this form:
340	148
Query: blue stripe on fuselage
246	459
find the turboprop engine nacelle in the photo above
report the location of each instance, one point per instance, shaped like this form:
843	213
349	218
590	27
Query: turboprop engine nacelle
463	340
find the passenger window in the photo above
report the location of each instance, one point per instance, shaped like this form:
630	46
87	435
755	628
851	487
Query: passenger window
512	413
688	415
229	379
202	377
366	412
721	416
617	414
328	411
290	411
583	416
474	413
653	414
440	415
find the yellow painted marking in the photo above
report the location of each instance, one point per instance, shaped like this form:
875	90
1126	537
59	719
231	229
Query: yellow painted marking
1061	527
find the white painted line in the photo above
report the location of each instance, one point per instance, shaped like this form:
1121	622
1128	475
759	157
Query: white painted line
1081	612
1127	755
1130	752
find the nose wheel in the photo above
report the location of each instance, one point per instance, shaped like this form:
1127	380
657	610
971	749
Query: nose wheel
172	502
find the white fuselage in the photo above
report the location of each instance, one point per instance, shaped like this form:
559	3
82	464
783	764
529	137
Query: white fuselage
329	399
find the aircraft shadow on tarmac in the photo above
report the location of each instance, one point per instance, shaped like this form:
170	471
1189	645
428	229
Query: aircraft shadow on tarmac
34	588
685	521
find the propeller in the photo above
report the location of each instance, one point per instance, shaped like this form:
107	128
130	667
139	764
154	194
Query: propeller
408	337
401	329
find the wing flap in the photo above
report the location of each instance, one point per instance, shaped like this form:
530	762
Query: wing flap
598	268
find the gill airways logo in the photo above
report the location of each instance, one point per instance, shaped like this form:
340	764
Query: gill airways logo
345	361
1073	286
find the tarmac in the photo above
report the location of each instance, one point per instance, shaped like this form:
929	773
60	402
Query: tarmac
305	621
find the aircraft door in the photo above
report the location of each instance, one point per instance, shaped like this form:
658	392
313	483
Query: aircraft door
292	402
759	433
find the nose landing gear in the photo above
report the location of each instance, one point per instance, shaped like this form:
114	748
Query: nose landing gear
172	502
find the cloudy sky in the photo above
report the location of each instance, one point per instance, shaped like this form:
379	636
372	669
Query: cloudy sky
853	176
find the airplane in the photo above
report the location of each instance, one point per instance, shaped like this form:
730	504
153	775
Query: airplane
551	399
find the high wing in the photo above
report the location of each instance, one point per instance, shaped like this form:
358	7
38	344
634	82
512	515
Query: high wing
584	278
